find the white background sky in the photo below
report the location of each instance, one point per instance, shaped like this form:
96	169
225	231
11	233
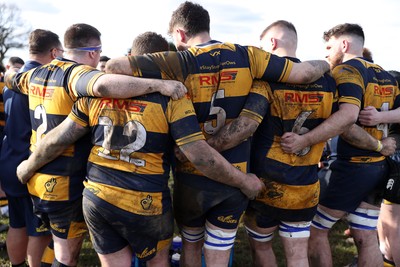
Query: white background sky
120	21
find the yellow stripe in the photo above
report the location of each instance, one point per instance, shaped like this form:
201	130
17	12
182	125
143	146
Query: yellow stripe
49	187
151	163
77	120
286	72
289	196
141	203
387	202
190	138
252	115
366	159
350	100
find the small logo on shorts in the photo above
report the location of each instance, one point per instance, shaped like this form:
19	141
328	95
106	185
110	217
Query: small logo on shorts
390	184
227	219
42	228
50	184
145	253
93	190
56	228
146	202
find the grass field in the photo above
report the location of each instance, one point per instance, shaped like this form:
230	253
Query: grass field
343	251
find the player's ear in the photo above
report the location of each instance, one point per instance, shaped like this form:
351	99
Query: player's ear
182	35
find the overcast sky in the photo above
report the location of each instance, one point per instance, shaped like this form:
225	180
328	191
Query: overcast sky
120	21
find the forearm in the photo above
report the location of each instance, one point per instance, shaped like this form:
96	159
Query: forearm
391	116
359	138
9	78
233	133
123	86
212	164
45	153
55	143
334	125
308	71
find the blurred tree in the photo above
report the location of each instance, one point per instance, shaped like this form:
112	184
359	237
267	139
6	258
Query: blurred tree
14	31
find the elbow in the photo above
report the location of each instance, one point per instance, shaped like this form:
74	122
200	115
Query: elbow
100	91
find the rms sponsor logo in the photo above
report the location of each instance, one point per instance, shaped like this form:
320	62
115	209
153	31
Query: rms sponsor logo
126	104
215	78
294	97
40	91
383	90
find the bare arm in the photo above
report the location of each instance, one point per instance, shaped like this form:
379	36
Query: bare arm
336	124
233	133
308	71
123	86
50	147
120	65
369	116
9	78
217	168
357	137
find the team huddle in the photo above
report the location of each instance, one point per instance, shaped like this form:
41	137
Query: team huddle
241	141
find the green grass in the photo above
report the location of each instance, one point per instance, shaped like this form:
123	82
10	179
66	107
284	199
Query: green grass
343	251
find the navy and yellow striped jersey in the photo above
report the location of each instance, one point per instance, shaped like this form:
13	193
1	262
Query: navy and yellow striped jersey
219	79
133	147
293	108
52	89
363	83
17	133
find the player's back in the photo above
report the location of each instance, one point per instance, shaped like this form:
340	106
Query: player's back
375	87
293	108
133	144
52	90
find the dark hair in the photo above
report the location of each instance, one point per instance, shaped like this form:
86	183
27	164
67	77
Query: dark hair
104	58
367	54
149	42
192	17
81	35
42	41
345	29
15	60
282	23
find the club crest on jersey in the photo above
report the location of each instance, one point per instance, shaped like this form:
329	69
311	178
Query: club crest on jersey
50	184
272	190
146	202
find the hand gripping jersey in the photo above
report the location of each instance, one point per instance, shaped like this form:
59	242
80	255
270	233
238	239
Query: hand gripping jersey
129	164
52	90
219	78
365	84
294	108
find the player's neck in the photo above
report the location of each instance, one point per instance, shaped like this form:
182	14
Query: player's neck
200	38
